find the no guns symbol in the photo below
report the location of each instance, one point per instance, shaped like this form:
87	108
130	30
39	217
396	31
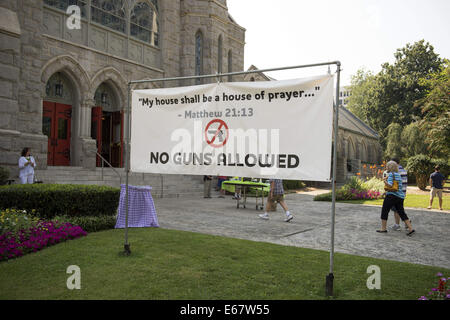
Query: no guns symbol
216	133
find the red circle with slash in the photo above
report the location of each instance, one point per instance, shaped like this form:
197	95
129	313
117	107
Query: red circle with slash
218	135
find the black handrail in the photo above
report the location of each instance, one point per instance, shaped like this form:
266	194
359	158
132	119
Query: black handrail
104	160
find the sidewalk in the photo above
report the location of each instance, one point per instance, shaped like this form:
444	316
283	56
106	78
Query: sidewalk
354	228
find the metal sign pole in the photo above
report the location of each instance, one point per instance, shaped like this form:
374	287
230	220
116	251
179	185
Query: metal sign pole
330	276
127	250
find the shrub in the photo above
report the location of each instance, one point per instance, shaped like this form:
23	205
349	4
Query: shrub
293	184
4	175
374	184
13	220
90	224
421	166
341	194
355	183
50	200
444	166
323	197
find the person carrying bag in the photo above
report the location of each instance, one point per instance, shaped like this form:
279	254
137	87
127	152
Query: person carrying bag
394	198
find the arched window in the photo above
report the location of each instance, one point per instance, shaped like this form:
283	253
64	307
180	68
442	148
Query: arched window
104	97
219	55
144	23
198	56
59	89
230	65
110	13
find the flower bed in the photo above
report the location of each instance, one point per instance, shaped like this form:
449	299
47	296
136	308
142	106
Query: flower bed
13	220
365	194
41	235
442	292
356	189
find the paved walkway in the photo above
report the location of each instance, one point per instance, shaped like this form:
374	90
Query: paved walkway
354	229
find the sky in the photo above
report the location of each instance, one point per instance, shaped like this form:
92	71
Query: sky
361	34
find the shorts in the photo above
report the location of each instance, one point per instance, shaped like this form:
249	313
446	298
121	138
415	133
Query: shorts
272	201
435	191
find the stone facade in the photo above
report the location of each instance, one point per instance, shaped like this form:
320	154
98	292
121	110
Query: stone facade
36	43
358	147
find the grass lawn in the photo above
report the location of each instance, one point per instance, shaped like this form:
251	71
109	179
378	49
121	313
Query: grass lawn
168	264
412	201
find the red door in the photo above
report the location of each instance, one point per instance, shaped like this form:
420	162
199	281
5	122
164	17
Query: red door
96	130
56	124
117	139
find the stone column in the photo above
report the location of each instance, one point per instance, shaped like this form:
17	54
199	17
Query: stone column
85	118
87	155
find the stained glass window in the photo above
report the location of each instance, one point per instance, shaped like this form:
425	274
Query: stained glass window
144	22
110	13
219	55
198	56
230	65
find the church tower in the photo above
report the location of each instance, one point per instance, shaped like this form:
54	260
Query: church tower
211	41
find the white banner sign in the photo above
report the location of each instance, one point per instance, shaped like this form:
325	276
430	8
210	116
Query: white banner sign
264	129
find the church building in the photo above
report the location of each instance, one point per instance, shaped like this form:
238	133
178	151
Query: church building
63	84
65	67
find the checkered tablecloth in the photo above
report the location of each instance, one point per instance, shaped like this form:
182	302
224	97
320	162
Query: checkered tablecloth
141	209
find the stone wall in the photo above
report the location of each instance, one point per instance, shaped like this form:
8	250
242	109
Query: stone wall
19	89
212	20
34	45
353	151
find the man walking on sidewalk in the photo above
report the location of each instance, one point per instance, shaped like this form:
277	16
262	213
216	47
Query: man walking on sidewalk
276	195
437	186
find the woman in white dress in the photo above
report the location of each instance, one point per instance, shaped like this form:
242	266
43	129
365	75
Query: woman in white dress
26	166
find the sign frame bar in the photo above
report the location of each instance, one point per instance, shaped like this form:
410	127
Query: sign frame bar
330	277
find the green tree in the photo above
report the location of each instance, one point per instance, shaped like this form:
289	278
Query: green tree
362	84
435	107
390	96
403	81
413	140
394	142
405	142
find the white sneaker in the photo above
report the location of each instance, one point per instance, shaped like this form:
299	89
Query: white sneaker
395	227
264	216
289	218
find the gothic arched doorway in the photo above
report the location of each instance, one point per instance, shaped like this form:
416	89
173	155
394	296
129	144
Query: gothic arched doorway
56	119
107	126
